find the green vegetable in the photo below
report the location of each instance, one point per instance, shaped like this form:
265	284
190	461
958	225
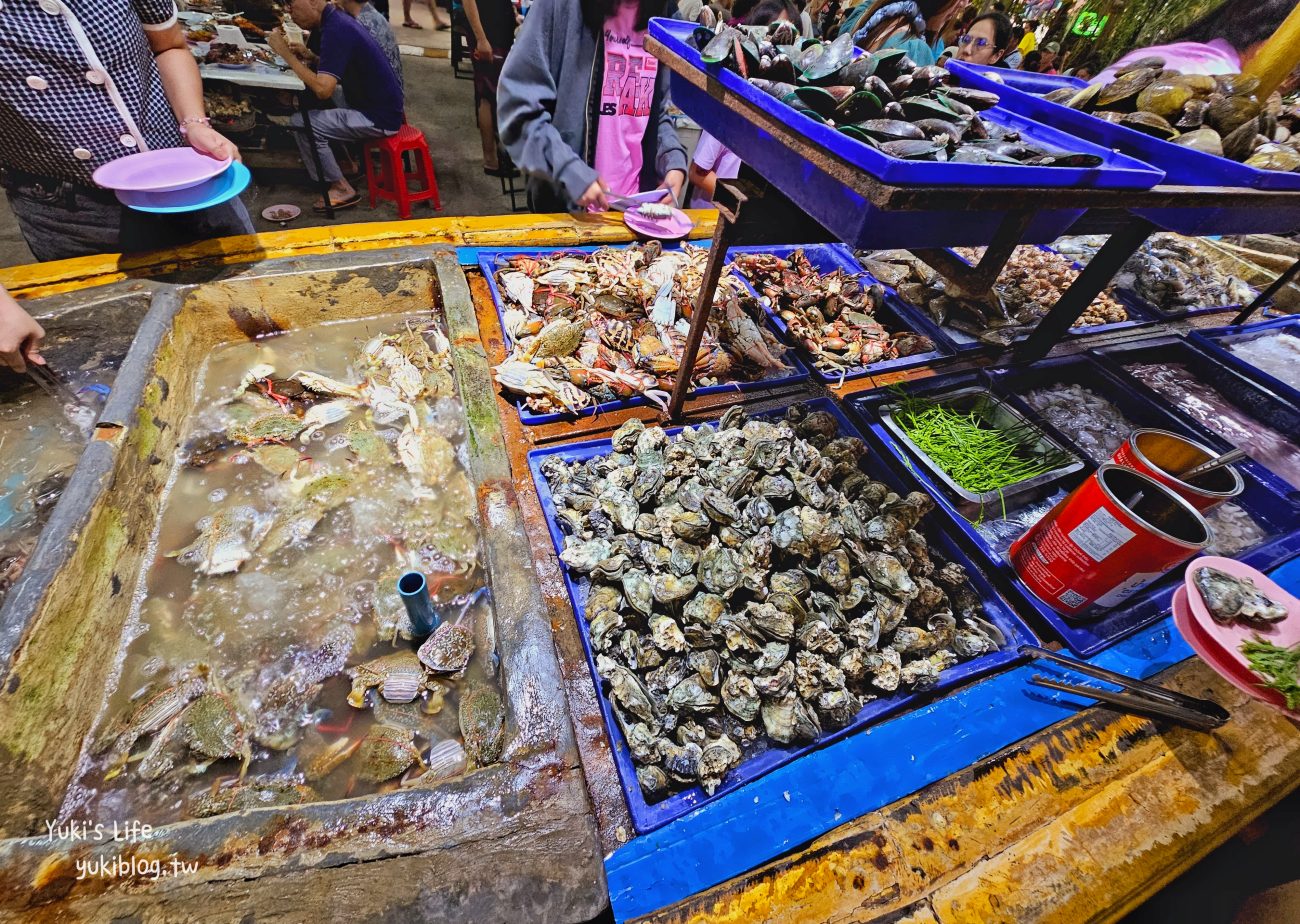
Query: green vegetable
972	451
1278	667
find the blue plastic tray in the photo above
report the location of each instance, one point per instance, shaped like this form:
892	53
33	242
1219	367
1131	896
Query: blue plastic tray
894	315
1216	341
1029	82
961	342
649	816
1264	499
491	260
1241	390
1182	166
853	219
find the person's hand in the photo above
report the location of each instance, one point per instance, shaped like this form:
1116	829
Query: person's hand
482	51
276	41
207	140
673	182
594	198
20	336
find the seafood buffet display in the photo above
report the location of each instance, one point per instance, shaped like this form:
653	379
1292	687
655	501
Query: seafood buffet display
831	316
1169	272
272	661
881	99
1220	115
748	585
1025	291
1216	413
586	329
1277	353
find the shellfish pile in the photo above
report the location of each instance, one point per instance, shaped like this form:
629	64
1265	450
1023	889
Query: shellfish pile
1220	114
748	585
831	315
1026	289
881	99
591	328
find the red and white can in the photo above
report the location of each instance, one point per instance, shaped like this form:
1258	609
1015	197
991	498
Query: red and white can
1161	454
1117	532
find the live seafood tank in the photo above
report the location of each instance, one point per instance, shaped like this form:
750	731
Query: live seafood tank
211	619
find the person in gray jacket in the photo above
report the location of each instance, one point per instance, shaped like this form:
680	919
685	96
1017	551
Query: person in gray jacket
583	108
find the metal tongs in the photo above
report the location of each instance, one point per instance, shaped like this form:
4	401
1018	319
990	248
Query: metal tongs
49	383
1136	696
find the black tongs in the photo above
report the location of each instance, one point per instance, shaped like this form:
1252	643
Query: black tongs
1136	696
49	383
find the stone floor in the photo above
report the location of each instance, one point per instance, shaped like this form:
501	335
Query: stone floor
437	103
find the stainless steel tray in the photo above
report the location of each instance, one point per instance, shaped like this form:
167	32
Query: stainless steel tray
1000	415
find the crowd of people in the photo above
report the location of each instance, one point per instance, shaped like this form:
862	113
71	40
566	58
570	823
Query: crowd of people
567	91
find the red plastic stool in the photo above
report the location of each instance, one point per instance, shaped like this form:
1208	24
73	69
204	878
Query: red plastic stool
390	180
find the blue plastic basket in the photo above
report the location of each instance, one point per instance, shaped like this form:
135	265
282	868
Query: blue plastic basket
1264	498
491	260
1182	166
1028	81
961	342
848	215
1239	389
1216	341
649	816
826	258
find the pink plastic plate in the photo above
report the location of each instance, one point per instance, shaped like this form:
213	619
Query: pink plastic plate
675	227
162	170
1220	645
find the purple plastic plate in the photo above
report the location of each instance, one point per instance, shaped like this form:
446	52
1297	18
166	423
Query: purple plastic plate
159	171
675	227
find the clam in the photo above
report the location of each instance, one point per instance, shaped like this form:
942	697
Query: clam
1229	113
1061	95
1240	142
1086	100
1205	140
1165	97
1149	123
1273	156
1122	92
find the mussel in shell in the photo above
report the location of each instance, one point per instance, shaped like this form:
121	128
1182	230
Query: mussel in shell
719	48
823	100
891	63
859	107
1078	161
1149	124
783	32
891	130
855	132
1205	140
1273	156
821	61
940	129
979	100
1086	99
1122	92
919	107
911	149
856	73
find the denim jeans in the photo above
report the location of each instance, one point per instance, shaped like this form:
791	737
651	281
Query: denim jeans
60	219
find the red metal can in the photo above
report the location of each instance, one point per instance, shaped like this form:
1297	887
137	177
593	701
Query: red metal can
1117	532
1160	454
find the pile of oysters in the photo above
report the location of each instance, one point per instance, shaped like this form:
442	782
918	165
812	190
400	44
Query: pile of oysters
748	585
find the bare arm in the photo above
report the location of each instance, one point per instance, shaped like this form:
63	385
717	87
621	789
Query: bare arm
482	47
704	180
321	85
20	335
184	89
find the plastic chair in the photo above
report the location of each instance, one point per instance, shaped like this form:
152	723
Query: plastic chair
387	176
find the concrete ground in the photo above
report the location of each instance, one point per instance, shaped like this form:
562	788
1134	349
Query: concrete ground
436	102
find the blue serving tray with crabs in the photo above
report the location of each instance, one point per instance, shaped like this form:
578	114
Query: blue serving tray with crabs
894	316
812	185
958	341
647	816
1216	341
490	261
1267	500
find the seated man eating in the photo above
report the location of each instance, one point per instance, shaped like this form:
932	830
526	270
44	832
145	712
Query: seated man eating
349	58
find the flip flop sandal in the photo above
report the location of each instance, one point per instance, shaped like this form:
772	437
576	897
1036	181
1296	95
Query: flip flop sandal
342	204
411	24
